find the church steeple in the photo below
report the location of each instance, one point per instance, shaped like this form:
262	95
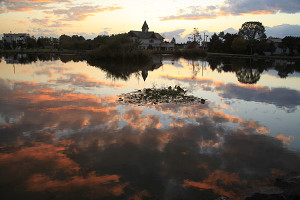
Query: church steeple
144	74
145	27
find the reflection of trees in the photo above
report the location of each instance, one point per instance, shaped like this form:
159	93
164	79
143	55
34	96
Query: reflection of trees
116	70
248	76
70	57
121	70
284	68
198	66
33	57
244	67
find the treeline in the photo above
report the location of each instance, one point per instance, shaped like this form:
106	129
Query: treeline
234	43
251	39
74	42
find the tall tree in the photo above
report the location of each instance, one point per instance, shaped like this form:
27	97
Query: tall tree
195	36
31	42
252	31
215	43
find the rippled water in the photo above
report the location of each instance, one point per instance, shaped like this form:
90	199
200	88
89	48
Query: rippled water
65	135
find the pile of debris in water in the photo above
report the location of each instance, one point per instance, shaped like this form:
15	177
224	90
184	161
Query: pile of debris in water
170	95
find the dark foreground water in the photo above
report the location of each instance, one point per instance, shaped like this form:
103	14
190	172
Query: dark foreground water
64	133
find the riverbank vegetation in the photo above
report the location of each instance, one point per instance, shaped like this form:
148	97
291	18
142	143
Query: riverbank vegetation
119	48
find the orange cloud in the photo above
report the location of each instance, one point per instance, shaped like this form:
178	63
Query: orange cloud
258	12
252	86
96	185
285	139
218	181
139	195
80	13
42	153
84	108
32	161
22	22
21	10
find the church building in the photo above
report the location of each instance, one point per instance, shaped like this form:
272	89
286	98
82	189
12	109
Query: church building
150	40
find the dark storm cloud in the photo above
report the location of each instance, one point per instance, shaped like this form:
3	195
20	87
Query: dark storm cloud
283	30
238	7
257	152
281	97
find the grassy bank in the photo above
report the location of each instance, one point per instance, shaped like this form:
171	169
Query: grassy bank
252	56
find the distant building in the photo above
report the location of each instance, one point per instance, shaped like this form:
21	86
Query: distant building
150	40
17	38
277	42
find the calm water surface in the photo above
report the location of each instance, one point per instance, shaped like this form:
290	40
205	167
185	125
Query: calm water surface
64	135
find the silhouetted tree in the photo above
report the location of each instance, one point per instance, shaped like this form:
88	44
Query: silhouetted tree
43	42
227	42
100	40
65	42
195	36
215	43
252	31
31	42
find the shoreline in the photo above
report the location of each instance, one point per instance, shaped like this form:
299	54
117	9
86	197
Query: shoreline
163	53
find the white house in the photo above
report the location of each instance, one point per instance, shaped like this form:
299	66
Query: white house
150	40
276	42
14	37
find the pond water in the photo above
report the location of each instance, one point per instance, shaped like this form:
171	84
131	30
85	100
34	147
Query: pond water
64	133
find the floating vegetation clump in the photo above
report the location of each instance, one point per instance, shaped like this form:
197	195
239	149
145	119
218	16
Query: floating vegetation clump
169	95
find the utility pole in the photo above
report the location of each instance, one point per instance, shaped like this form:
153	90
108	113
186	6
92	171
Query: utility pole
205	40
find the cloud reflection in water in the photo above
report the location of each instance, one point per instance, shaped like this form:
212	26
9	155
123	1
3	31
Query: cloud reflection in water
62	144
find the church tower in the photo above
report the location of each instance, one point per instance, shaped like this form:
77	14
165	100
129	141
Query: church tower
145	27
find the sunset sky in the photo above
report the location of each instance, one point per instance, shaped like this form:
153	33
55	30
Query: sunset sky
171	18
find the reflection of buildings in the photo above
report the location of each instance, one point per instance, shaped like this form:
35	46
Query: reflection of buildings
144	74
277	42
279	49
156	63
19	58
150	40
282	63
